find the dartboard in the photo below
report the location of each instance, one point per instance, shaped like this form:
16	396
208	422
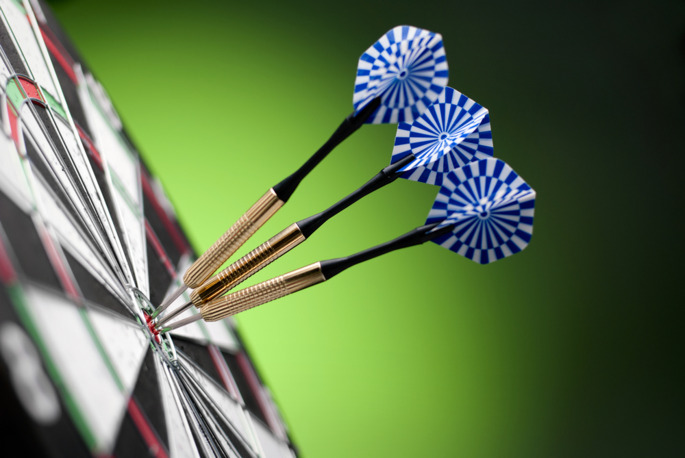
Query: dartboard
88	242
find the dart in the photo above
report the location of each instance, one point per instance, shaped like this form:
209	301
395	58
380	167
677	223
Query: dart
483	211
299	279
398	78
434	137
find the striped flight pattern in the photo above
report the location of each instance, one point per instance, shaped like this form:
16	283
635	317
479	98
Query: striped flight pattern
454	131
407	66
491	207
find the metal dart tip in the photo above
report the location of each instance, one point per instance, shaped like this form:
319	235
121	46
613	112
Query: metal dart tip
165	319
181	323
169	300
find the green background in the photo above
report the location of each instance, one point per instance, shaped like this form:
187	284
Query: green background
571	348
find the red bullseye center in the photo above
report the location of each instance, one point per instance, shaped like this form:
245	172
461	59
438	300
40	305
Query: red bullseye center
151	326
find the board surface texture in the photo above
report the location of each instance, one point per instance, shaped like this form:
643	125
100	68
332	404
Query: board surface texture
88	241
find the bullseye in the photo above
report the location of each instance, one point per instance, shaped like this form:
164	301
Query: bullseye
151	326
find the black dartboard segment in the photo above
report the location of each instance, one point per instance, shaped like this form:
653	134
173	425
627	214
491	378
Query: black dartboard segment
87	239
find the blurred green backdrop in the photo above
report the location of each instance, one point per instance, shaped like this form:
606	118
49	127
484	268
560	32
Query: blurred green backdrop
571	348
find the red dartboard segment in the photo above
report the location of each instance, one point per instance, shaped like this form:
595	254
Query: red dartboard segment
177	238
92	150
256	387
14	126
152	238
225	373
7	273
30	89
60	54
58	265
154	445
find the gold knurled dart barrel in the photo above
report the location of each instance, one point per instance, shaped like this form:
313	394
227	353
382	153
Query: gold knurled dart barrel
232	239
248	265
263	292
